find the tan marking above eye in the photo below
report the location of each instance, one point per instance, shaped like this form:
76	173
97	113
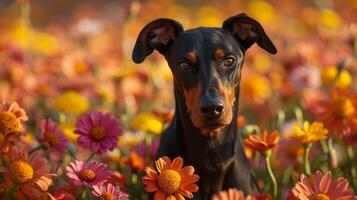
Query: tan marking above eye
191	57
219	53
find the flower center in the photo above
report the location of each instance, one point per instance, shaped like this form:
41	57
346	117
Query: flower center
169	181
21	171
321	197
97	133
9	123
51	138
87	175
343	107
107	196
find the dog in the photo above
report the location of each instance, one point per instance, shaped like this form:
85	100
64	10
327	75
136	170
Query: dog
206	65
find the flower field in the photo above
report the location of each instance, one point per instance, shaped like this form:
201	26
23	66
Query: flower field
80	120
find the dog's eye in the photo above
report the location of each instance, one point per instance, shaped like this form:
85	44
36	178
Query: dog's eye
229	61
184	66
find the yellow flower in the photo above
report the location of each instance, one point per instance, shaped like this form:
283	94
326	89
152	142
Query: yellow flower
328	75
309	133
68	130
28	138
28	38
331	76
71	102
147	122
106	92
124	72
9	123
344	80
130	139
261	10
329	19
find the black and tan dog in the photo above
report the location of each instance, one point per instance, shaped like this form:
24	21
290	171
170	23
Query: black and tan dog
206	64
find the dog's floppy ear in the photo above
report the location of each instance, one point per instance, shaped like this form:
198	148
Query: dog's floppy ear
248	31
158	35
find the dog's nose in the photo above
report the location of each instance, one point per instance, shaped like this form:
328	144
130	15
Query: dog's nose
211	107
211	104
213	111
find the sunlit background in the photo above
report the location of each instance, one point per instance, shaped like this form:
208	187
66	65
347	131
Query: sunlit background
63	58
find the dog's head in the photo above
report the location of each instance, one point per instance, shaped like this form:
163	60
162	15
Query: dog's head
205	62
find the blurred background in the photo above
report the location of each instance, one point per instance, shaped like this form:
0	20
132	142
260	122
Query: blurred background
61	58
48	48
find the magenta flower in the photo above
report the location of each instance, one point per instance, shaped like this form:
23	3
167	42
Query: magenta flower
52	136
81	173
98	131
109	192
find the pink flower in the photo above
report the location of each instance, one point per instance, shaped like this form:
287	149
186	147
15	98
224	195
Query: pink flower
52	136
81	173
321	186
98	131
109	192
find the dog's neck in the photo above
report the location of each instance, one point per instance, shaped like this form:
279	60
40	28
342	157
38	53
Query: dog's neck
213	148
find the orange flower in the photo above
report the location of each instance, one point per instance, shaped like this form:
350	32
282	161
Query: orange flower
136	162
263	143
170	181
11	116
234	194
321	187
230	194
241	121
30	173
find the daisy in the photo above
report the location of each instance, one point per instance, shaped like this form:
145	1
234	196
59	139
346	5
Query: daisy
170	181
81	173
230	194
52	136
335	112
262	143
98	131
30	173
321	187
110	192
309	133
234	194
11	116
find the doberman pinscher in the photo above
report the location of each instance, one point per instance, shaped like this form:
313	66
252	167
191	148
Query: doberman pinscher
206	64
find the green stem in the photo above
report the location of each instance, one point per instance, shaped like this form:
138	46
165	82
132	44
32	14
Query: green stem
84	193
324	146
299	115
267	156
332	151
306	159
10	191
280	119
58	165
90	157
350	155
62	118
